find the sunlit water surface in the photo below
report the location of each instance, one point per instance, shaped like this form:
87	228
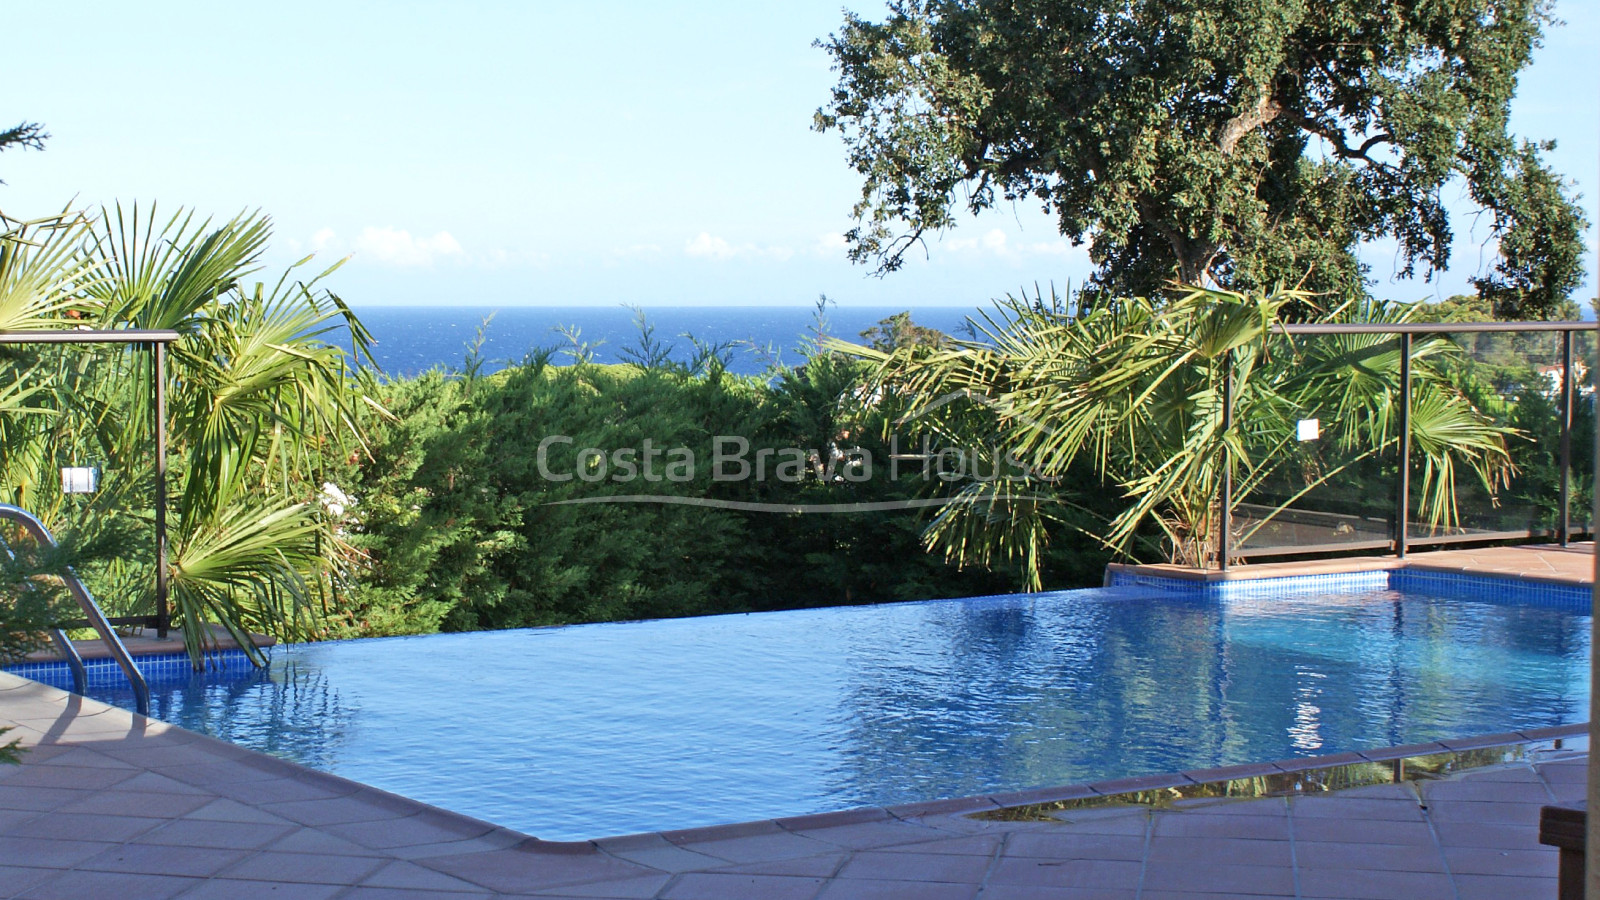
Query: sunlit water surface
586	731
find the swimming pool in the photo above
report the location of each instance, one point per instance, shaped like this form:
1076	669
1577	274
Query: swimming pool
586	731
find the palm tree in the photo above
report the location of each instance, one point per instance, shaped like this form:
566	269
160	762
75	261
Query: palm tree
258	395
1135	389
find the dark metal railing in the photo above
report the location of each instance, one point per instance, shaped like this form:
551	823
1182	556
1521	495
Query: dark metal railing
92	615
153	341
1404	333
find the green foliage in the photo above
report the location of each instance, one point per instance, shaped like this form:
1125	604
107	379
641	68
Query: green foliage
1136	391
899	331
33	605
23	135
462	522
257	400
1251	143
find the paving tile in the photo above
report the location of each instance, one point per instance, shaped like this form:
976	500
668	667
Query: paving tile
720	886
865	889
70	755
1524	814
1135	821
1095	873
1336	806
1500	887
20	878
231	889
275	790
402	874
80	827
136	803
217	770
1356	831
977	845
1473	834
1222	878
122	886
161	784
1476	789
422	828
221	835
1366	884
90	778
824	866
665	856
1071	845
760	847
1569	773
620	889
312	868
1200	824
39	799
916	867
1379	857
499	839
1208	851
1038	892
522	870
312	840
27	851
1202	895
869	835
225	810
1540	863
163	860
363	892
1224	806
335	810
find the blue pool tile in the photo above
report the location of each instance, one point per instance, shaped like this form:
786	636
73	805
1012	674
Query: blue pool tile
163	668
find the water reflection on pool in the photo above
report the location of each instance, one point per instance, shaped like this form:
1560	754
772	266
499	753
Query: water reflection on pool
604	729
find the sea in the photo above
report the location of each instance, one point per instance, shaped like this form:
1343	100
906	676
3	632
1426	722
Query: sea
754	339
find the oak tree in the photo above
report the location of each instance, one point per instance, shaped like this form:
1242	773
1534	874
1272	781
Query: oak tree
1242	143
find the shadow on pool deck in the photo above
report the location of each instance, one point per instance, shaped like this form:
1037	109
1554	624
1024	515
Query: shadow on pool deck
110	804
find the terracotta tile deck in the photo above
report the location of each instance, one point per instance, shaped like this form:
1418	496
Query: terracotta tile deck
110	804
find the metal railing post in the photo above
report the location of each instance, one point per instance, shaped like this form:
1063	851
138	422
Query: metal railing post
163	616
1403	509
1563	524
1226	513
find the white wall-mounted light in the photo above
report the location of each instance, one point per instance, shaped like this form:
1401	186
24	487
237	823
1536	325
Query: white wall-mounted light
79	479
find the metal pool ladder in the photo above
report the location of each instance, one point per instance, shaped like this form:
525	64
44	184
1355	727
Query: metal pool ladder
91	611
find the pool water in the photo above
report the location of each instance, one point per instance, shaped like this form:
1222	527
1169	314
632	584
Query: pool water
588	731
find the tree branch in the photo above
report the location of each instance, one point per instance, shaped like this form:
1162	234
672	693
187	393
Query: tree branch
1265	110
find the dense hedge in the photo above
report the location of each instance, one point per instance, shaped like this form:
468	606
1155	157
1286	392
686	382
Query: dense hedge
460	529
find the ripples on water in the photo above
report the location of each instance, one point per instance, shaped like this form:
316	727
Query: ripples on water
604	729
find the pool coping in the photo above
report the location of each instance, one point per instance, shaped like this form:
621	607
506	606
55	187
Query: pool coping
1541	563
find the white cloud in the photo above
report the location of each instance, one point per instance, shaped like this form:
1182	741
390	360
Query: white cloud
324	239
998	244
830	245
708	246
398	247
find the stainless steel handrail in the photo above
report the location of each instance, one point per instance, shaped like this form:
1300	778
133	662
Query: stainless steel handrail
91	610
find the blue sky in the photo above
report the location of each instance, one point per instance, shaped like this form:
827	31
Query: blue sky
522	153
